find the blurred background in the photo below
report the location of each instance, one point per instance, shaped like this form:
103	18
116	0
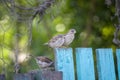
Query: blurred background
22	35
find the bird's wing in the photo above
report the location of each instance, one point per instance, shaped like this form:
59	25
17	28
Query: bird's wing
47	60
56	38
51	40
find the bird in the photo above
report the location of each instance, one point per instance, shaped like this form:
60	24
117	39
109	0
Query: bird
62	40
44	63
56	41
69	37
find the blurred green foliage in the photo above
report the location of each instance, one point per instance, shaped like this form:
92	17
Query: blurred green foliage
91	19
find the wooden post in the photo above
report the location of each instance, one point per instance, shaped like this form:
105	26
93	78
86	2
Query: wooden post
22	77
2	77
105	64
45	75
85	64
51	75
64	62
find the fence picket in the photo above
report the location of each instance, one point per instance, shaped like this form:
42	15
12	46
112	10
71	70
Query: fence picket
105	64
64	62
85	64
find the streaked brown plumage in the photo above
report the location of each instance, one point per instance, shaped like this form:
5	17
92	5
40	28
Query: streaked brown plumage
69	37
56	41
62	40
44	62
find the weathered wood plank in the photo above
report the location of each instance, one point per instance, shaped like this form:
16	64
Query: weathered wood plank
118	61
34	74
64	62
51	75
22	77
2	76
85	64
45	75
105	64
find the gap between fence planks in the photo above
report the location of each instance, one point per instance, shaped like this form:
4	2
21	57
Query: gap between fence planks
118	61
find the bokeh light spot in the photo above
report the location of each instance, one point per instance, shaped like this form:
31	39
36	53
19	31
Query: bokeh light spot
60	27
22	57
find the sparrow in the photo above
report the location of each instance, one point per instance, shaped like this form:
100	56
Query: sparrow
44	62
56	41
69	37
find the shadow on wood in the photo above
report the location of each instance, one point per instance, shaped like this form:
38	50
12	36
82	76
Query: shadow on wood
2	77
